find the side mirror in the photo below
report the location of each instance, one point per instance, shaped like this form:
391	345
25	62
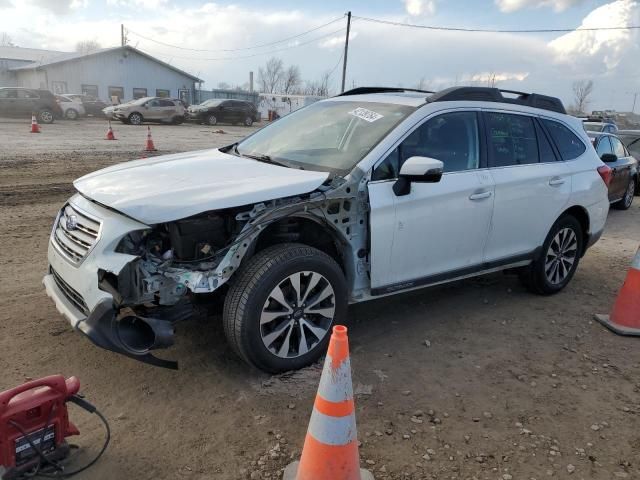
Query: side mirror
417	169
609	157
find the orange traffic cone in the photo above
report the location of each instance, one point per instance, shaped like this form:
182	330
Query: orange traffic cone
331	447
150	146
625	315
110	135
35	128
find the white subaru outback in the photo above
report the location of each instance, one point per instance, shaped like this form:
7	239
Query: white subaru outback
370	193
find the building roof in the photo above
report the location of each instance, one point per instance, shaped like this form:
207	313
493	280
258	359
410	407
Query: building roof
73	56
28	54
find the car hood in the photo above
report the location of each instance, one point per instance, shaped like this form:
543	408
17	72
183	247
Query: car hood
171	187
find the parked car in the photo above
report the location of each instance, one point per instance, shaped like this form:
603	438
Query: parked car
631	140
367	194
92	105
150	109
215	111
23	102
71	109
624	174
597	127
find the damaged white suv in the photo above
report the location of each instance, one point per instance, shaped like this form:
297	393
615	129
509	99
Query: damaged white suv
366	194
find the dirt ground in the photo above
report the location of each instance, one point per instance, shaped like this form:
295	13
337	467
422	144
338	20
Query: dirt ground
473	380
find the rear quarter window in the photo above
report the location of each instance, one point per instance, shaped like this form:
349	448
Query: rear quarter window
567	142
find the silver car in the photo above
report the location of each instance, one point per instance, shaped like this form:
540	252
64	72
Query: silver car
150	109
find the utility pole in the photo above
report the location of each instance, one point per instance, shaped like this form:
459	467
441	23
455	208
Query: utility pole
635	96
346	51
123	40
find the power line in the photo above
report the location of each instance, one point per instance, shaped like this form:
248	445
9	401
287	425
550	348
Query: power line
488	30
269	52
237	49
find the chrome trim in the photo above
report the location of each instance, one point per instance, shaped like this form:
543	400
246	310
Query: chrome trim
65	242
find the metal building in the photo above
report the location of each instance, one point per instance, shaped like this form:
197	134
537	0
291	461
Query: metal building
122	73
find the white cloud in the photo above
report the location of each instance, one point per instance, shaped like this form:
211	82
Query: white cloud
59	6
416	8
509	6
604	49
337	40
498	77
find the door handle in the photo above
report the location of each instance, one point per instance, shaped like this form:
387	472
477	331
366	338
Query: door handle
555	181
480	195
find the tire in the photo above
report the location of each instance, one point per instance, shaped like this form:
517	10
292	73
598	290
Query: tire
211	119
263	331
45	116
135	119
71	114
541	278
178	120
627	200
248	122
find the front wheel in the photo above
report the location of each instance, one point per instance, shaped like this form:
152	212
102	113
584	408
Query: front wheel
211	119
72	114
559	259
135	119
45	116
627	200
178	120
279	311
248	121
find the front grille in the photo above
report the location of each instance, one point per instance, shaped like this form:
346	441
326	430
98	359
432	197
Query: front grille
72	295
75	233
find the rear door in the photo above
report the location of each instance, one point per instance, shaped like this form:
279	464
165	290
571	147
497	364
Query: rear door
532	186
154	110
27	102
603	146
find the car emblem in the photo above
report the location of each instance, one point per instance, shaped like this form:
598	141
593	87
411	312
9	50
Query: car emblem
72	222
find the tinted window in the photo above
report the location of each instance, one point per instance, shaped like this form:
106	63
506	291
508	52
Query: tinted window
166	103
512	140
569	145
27	94
451	138
8	93
547	153
618	148
604	146
633	145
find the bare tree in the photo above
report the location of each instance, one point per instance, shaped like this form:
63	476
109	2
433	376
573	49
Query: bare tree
224	86
492	80
6	40
85	47
291	80
319	87
582	90
424	84
270	77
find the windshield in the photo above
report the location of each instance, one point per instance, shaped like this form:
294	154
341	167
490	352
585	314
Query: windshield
211	103
327	136
593	127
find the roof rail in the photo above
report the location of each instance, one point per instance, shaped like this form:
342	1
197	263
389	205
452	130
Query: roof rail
488	94
367	90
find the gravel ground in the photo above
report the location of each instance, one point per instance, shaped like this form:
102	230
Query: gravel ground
473	380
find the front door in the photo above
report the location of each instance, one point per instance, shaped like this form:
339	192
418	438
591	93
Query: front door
437	231
622	167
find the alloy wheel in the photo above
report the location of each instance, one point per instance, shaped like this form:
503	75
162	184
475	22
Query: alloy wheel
561	256
297	314
46	116
631	191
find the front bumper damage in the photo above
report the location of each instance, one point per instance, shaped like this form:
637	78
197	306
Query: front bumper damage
100	326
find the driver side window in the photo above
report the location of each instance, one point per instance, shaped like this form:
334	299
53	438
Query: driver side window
452	138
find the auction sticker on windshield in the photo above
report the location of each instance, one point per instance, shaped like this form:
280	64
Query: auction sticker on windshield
365	114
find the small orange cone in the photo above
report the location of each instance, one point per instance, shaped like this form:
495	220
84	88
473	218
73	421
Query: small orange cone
110	135
331	447
150	146
625	315
35	128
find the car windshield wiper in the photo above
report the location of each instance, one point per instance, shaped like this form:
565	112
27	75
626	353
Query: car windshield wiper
261	158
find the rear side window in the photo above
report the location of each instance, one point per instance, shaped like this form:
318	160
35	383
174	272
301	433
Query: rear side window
512	139
547	154
604	146
569	145
618	148
166	103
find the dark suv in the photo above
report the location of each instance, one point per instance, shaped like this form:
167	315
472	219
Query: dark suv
219	110
22	102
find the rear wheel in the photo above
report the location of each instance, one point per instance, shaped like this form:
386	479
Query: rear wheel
279	311
178	120
135	119
248	121
559	258
627	200
45	116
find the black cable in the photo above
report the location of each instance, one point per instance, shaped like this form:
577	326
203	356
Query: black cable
241	48
84	404
489	30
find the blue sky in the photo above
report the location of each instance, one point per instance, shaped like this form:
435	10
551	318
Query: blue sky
379	54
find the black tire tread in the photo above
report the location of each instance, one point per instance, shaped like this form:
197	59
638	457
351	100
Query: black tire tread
247	280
